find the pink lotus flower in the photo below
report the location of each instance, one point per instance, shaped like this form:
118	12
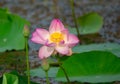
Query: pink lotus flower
57	39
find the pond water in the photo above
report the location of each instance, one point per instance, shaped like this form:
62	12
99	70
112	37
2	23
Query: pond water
41	12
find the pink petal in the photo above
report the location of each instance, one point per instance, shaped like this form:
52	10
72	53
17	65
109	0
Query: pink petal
62	43
36	38
65	32
49	44
45	52
64	50
72	40
44	34
56	26
70	52
40	36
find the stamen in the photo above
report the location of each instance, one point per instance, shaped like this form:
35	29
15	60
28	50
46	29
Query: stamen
56	37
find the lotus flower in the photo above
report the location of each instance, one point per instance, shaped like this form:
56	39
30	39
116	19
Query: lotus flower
57	39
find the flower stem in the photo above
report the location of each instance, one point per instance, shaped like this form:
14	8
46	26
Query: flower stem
47	78
27	59
60	65
74	17
68	80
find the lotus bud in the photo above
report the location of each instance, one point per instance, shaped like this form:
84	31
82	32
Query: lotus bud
45	65
26	31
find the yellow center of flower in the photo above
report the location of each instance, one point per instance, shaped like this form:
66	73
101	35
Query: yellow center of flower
56	37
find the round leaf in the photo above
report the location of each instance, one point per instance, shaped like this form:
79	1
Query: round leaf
111	47
94	67
11	32
39	72
90	23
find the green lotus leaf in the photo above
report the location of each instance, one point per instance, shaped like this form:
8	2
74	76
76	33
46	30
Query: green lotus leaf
88	24
10	79
93	67
111	47
39	72
11	31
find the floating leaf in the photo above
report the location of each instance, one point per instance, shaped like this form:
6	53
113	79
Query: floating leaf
39	72
94	67
88	24
11	31
10	79
111	47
